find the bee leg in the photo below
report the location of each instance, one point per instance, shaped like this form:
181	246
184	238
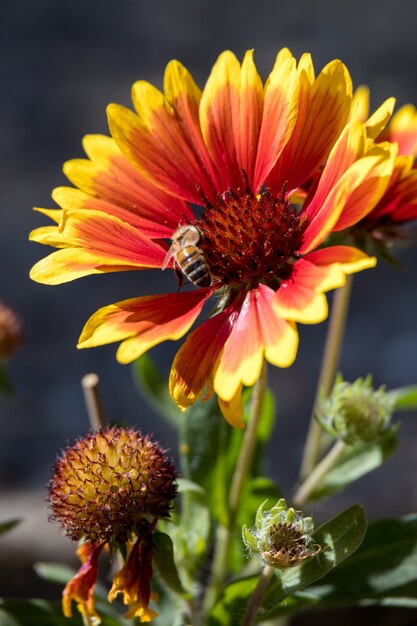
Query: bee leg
180	277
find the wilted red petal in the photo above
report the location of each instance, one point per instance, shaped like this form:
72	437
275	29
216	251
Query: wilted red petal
81	588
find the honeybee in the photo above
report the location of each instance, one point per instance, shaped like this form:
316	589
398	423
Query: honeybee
188	256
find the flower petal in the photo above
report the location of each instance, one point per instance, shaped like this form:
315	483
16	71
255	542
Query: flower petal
299	303
247	122
94	243
141	323
341	176
257	331
194	363
399	202
323	109
279	115
81	587
348	258
367	194
162	157
121	190
184	95
232	410
219	110
380	118
403	130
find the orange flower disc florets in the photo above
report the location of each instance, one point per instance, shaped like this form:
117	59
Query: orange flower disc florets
110	484
249	239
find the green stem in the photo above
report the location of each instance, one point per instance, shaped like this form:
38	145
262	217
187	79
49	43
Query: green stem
328	372
256	598
92	399
225	533
305	490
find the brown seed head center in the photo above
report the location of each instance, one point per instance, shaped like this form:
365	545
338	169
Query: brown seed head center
249	239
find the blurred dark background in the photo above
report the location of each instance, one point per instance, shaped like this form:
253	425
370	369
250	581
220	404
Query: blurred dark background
61	63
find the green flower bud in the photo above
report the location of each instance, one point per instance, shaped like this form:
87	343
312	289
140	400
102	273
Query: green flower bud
355	412
281	536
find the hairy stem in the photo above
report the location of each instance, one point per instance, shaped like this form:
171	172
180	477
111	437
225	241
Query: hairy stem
225	533
304	491
256	598
328	372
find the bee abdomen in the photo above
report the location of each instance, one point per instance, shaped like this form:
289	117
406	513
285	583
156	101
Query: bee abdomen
193	265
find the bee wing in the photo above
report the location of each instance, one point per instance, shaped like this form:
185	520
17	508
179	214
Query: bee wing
171	252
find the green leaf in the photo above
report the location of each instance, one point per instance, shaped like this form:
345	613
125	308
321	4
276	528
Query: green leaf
385	566
54	572
58	573
405	398
8	525
356	461
154	388
187	486
338	538
191	535
204	453
34	612
165	564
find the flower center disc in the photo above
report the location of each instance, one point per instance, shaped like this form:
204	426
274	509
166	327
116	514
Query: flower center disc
249	239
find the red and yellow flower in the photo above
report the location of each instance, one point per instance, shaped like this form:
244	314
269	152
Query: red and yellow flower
240	151
384	224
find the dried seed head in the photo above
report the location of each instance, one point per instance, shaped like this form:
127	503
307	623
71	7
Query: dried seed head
111	484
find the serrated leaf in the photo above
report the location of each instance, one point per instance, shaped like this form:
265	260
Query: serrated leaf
405	398
154	389
165	563
8	525
357	461
338	538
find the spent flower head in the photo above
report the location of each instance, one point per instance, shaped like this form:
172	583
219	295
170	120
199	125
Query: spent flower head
111	488
356	412
281	536
219	173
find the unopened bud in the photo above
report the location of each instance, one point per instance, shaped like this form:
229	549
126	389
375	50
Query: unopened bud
281	536
355	412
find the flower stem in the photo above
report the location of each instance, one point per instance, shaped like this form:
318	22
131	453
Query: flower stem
225	533
304	491
256	598
328	372
93	403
